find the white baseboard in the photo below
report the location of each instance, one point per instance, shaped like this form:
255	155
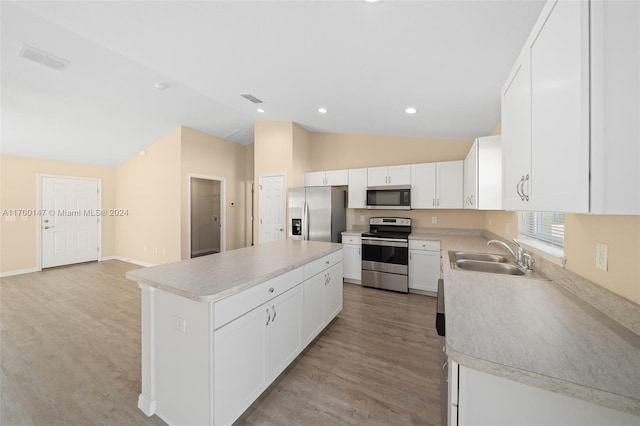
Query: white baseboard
19	272
129	260
147	407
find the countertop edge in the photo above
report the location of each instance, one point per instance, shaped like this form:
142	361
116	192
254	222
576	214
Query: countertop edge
563	387
232	290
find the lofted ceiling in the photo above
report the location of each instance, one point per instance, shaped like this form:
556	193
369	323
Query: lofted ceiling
364	62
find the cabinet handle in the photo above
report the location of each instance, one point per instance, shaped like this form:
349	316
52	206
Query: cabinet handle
526	196
359	251
434	202
438	202
268	317
471	200
271	290
518	190
273	308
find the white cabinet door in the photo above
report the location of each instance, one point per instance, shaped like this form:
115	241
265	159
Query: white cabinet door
378	176
352	262
423	186
400	175
424	270
337	177
357	189
314	179
560	112
333	293
485	399
449	180
284	331
489	174
471	177
313	307
240	364
516	134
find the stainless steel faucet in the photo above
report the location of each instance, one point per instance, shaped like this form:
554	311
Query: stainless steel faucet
521	257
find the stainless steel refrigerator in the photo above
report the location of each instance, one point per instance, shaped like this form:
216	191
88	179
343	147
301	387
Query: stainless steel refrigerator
317	214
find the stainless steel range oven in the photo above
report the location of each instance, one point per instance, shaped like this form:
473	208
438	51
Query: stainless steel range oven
385	254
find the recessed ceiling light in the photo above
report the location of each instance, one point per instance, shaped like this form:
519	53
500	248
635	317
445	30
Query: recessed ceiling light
322	110
260	110
161	86
372	1
411	110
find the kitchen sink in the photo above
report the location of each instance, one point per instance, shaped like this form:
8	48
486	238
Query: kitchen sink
495	267
490	263
486	257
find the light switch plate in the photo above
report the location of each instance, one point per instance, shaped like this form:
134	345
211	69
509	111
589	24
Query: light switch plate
180	324
602	260
434	219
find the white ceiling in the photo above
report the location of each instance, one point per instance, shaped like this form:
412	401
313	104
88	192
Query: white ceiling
364	62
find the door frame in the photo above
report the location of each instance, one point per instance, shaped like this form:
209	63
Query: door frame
40	217
223	209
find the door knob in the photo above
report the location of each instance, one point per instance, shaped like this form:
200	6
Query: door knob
47	227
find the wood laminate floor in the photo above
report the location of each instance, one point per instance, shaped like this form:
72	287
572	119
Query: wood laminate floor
70	355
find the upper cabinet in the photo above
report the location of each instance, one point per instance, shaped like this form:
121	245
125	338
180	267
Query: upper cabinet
483	174
357	193
570	109
437	185
330	178
389	176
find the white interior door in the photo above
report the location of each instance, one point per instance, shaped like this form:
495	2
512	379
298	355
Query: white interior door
272	207
69	226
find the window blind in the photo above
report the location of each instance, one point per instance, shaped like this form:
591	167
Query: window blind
544	226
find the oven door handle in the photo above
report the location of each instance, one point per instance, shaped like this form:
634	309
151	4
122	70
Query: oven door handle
389	242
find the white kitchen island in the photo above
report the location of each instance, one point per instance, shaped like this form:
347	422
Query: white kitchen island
218	330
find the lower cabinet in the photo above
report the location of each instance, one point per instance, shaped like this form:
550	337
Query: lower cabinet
326	287
481	398
424	265
352	248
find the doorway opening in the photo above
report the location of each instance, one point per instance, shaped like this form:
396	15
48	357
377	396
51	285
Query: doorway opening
207	230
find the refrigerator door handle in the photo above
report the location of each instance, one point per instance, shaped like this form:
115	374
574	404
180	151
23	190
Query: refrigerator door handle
304	221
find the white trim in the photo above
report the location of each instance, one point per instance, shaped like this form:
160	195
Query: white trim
223	209
18	272
147	407
39	178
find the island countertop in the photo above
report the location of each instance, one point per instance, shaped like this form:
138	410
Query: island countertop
215	277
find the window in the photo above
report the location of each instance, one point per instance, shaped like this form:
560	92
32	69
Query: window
544	226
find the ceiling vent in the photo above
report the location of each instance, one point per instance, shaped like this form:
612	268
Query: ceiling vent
42	57
251	98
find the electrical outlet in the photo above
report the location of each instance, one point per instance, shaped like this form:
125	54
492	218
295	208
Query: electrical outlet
362	218
602	260
179	324
434	219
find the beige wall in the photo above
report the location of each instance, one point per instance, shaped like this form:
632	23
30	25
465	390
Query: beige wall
622	236
462	219
206	155
336	151
301	157
149	187
18	190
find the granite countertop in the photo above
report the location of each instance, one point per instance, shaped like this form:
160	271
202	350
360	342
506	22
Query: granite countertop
214	277
536	332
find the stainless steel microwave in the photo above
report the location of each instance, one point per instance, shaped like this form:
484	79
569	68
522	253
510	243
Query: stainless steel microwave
389	197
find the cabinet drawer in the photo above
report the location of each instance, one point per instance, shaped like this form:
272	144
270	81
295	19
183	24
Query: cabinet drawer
317	266
234	306
349	239
424	245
